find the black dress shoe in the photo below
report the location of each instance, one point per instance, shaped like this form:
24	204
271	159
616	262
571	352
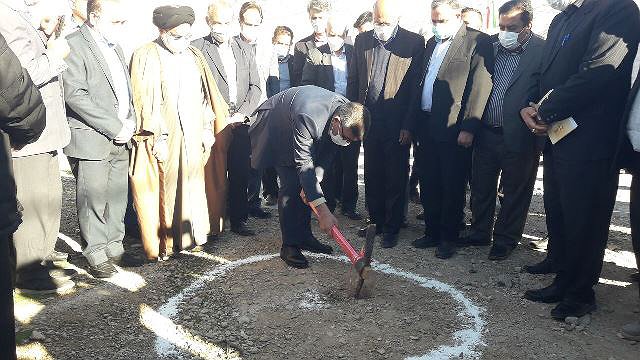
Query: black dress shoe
352	214
445	250
471	241
259	213
389	241
293	257
420	216
572	309
362	232
315	246
425	242
242	229
103	271
500	252
546	266
548	295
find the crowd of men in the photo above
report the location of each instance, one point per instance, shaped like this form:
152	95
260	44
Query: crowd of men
174	154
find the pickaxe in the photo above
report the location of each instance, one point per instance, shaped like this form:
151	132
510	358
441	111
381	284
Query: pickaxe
362	279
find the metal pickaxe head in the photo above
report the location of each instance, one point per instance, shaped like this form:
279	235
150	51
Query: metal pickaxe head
363	279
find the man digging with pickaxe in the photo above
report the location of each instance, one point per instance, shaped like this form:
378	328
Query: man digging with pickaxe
298	132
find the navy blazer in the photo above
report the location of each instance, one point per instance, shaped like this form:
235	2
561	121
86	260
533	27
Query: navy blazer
291	129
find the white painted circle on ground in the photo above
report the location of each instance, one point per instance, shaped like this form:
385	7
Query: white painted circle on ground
467	341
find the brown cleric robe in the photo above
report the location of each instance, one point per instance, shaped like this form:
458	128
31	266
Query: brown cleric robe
179	200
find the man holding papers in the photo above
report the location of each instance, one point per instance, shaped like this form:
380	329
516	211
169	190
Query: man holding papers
586	74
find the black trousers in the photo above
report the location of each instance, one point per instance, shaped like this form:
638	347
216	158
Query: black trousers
238	166
7	321
294	215
270	182
443	180
579	199
341	182
386	172
491	158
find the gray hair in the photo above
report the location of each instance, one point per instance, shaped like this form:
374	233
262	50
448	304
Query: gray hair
319	5
455	4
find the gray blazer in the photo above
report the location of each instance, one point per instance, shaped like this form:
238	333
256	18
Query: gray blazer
248	78
29	46
291	130
523	86
92	106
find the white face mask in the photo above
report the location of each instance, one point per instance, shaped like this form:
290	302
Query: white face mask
446	30
250	33
508	39
319	25
176	46
560	5
281	51
384	32
338	139
220	33
336	43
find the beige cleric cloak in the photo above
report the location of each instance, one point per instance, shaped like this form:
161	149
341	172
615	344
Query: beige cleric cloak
170	208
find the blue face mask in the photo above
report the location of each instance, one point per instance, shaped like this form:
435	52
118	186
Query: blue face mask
446	30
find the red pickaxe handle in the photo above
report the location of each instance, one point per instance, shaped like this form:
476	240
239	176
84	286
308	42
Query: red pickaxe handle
344	244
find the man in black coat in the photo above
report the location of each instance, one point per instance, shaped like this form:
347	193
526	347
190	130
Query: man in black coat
504	147
318	14
585	79
22	120
328	67
449	101
386	60
298	131
233	65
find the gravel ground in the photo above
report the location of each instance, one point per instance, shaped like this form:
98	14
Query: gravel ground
264	310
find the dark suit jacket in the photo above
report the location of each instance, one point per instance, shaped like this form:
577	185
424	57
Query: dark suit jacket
291	129
273	83
406	49
461	89
300	51
92	106
522	87
318	70
588	64
248	78
22	120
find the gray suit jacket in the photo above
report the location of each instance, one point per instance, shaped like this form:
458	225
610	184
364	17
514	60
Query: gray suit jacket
248	78
29	46
523	86
291	130
92	106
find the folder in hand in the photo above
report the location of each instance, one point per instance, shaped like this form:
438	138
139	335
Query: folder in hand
559	129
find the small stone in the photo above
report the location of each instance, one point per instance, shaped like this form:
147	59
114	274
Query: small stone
380	351
473	271
572	320
414	338
37	336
